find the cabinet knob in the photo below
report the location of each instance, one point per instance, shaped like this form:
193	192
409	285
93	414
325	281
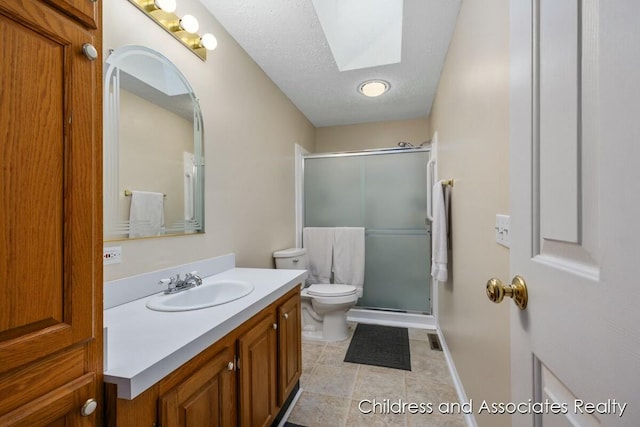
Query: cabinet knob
89	407
90	51
286	316
230	366
275	326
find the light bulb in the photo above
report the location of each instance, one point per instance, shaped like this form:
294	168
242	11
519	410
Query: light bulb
189	23
208	41
166	5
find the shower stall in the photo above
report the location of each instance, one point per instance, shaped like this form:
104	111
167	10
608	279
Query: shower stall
386	192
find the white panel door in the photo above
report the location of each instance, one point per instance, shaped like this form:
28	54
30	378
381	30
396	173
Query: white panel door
575	211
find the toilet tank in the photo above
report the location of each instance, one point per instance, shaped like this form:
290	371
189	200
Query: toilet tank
293	258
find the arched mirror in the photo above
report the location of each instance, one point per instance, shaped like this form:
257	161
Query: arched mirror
153	148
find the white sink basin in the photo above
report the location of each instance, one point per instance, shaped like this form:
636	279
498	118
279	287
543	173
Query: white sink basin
207	295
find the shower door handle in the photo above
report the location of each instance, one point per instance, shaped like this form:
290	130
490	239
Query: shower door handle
430	170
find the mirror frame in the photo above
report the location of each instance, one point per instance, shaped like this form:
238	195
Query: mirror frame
113	194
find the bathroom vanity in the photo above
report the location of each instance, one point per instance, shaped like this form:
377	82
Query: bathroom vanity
233	364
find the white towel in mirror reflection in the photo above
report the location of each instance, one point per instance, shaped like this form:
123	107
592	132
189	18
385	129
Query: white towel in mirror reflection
146	214
188	161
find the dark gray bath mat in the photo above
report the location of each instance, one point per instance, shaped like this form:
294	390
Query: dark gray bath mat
378	345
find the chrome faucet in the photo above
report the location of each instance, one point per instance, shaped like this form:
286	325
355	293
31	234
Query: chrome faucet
175	284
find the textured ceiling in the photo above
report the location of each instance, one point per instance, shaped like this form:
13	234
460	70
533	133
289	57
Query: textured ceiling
285	39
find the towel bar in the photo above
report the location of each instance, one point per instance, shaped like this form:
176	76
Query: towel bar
128	193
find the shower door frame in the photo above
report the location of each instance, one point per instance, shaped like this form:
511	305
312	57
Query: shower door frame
300	156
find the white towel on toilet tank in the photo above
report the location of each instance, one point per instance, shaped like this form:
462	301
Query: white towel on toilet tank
146	214
318	243
348	256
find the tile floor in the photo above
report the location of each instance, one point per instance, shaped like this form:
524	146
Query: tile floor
333	389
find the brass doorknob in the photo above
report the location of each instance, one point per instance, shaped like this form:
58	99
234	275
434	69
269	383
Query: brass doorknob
496	291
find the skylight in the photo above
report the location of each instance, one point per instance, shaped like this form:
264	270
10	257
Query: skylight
362	33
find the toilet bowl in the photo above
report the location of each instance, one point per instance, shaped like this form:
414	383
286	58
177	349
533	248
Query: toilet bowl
324	306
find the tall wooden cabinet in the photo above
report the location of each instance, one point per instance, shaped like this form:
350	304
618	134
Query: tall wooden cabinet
50	212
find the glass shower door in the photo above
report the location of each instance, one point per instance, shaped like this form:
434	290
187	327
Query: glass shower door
386	194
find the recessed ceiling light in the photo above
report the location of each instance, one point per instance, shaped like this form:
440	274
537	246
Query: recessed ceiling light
373	88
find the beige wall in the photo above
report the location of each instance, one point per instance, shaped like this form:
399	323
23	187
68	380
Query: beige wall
471	116
250	130
371	135
150	156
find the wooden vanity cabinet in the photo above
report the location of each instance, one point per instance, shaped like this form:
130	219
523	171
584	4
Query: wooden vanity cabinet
270	361
50	216
202	392
204	398
257	365
289	346
238	381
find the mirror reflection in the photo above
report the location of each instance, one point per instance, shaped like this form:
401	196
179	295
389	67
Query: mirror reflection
153	148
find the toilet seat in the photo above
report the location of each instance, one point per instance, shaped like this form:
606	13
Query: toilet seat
328	290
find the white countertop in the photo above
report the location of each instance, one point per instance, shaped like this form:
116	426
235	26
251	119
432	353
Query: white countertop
143	346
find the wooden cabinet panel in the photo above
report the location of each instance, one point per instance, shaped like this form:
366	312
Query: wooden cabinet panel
27	383
60	407
85	11
289	346
50	217
50	213
257	367
206	398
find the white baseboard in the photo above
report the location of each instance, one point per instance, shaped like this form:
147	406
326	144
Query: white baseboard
392	318
286	415
462	396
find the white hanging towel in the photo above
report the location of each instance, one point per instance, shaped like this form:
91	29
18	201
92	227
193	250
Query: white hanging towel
318	243
348	256
146	214
439	235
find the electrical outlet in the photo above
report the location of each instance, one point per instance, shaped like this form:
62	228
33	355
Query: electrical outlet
502	230
112	255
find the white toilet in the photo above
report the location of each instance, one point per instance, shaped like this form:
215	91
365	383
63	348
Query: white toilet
324	306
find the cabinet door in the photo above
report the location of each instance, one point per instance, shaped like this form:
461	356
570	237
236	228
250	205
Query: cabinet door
85	11
289	347
257	365
206	398
61	407
50	197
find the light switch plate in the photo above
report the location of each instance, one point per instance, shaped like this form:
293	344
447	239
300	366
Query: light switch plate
502	230
112	255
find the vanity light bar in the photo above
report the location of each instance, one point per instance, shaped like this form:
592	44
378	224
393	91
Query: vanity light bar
182	29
